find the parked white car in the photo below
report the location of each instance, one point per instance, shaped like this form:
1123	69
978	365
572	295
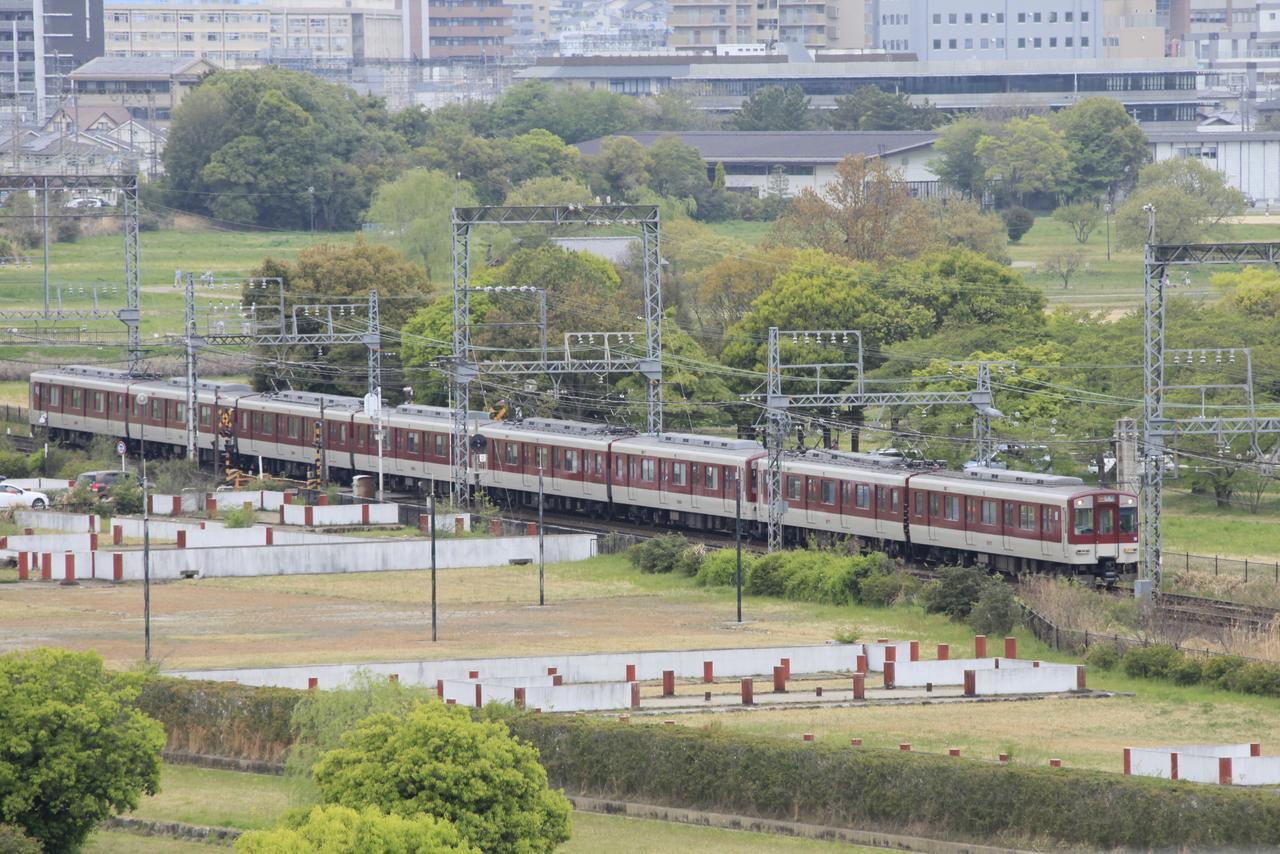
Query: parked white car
16	496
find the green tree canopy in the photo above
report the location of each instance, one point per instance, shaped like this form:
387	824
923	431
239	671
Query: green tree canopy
1105	146
958	164
550	191
252	146
413	214
1253	291
1028	156
1189	199
872	108
340	830
621	170
74	749
775	108
439	762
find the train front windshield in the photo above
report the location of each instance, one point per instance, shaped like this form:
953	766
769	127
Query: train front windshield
1128	520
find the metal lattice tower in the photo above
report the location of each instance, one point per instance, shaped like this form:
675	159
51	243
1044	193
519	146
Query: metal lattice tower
189	312
982	399
779	424
373	340
464	368
131	314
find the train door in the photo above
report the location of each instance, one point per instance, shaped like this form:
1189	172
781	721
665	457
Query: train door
970	520
1009	527
811	506
1107	528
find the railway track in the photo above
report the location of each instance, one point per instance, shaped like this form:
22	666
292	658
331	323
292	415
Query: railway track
1216	612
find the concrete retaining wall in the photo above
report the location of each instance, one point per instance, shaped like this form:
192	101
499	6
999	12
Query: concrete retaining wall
48	542
186	504
1225	764
50	521
875	653
347	514
40	484
597	667
261	499
914	674
353	555
1045	679
590	697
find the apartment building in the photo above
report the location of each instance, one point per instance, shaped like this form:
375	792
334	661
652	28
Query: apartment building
236	35
816	24
958	30
468	31
41	41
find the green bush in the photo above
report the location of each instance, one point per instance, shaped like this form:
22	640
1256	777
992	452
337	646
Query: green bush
438	761
14	841
730	772
81	499
1258	678
1188	671
720	568
1155	661
888	588
1018	221
73	747
221	718
690	560
819	576
996	611
239	517
14	464
126	498
337	830
661	554
958	588
1102	656
1219	669
767	576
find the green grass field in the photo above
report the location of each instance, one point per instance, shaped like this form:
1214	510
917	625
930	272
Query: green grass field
251	801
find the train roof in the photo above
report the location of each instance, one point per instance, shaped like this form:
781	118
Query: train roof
564	427
857	459
211	385
1008	484
314	399
737	450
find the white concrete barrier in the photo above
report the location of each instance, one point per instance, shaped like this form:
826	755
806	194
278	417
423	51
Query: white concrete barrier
590	697
41	484
342	514
49	520
351	555
1225	764
186	504
576	669
49	542
875	653
1045	679
261	499
914	674
1255	771
1149	762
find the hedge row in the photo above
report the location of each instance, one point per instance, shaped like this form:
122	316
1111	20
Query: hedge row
1160	661
806	575
779	779
221	718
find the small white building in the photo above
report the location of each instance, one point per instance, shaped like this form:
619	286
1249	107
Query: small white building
755	159
1248	161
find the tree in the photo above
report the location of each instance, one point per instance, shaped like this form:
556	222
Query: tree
573	115
1064	265
1253	291
872	108
962	222
1105	145
437	761
414	214
330	830
550	191
621	169
775	108
1018	221
327	274
74	749
865	213
538	154
1189	200
678	170
727	288
1081	217
269	146
958	164
1028	156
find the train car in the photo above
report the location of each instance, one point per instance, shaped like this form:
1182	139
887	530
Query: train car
845	494
572	457
685	479
77	403
417	445
1022	521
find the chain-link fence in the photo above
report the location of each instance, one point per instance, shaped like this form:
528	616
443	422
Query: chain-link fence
1078	641
1246	569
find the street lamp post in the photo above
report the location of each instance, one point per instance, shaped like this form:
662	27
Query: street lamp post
143	400
1107	209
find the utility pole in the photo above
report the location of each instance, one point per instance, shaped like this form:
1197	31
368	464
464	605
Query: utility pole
311	199
737	537
542	598
433	561
190	336
143	401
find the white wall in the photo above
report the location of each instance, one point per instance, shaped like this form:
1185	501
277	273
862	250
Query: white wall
345	514
1251	165
1045	679
913	674
260	499
48	520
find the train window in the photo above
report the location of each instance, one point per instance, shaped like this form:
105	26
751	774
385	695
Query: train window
1105	522
99	402
513	453
1084	520
635	469
295	429
893	500
541	454
570	460
55	395
793	488
828	492
1048	520
36	390
933	504
709	477
989	514
646	469
246	422
415	441
1009	510
204	414
180	412
441	447
342	432
266	424
75	398
600	464
620	467
157	410
951	508
1027	517
918	499
678	474
1128	520
862	496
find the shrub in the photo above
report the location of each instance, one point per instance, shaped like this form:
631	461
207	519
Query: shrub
847	634
1188	671
239	517
221	718
1018	221
818	576
81	499
720	568
14	464
957	590
887	588
73	748
14	841
1158	660
339	829
126	498
767	576
437	760
1219	669
1258	678
996	611
690	560
661	554
1102	656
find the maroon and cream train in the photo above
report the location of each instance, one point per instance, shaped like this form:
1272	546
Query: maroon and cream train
1012	521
